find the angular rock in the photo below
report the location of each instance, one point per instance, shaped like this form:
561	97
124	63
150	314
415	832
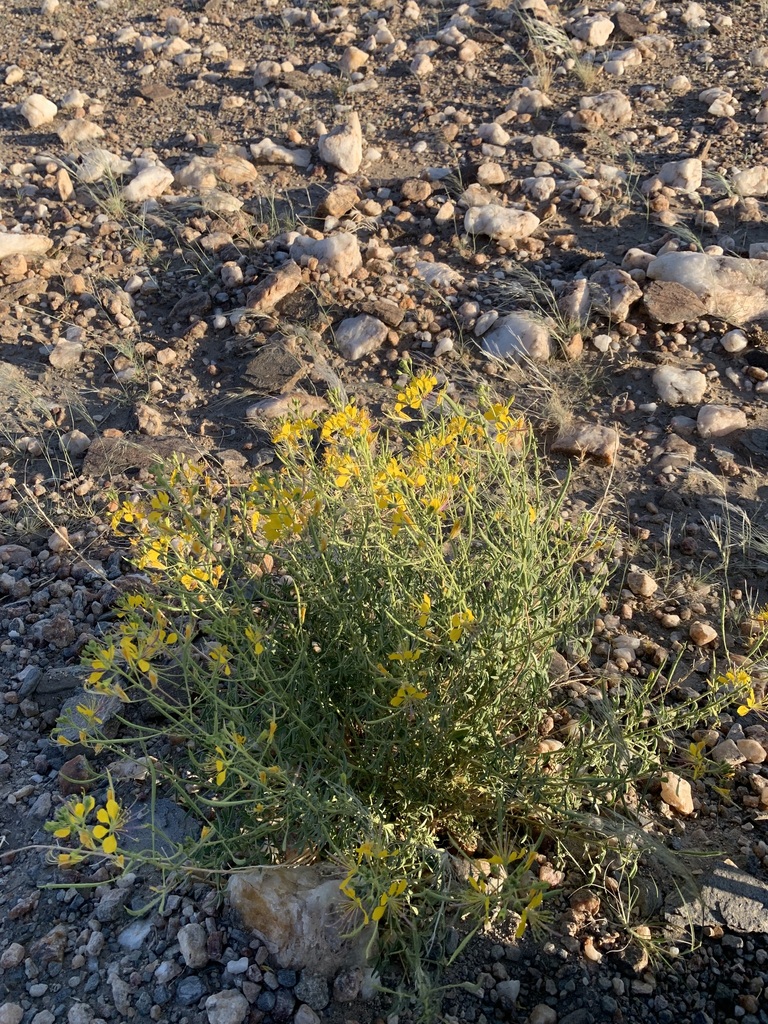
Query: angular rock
38	110
285	405
676	792
296	912
502	223
274	369
528	101
148	183
268	292
642	584
731	287
516	338
65	355
438	275
338	201
192	939
612	292
359	335
613	107
719	421
339	253
727	898
227	1007
269	152
702	633
683	175
727	753
594	29
78	132
343	146
97	163
677	386
752	182
589	439
14	243
668	302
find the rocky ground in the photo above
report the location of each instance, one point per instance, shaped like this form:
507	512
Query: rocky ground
213	210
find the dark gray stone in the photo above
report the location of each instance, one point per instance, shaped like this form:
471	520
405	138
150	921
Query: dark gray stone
729	898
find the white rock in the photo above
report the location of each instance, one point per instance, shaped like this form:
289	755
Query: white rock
575	302
719	420
74	443
752	182
358	336
339	253
11	1013
734	341
192	939
65	355
148	183
679	85
613	106
528	101
683	175
421	66
680	387
612	292
731	287
37	110
758	57
296	913
594	29
97	163
269	152
353	59
227	1007
517	337
343	147
545	148
78	131
494	134
500	222
14	243
438	275
676	792
694	16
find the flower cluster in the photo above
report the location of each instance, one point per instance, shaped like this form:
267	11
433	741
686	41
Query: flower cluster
94	833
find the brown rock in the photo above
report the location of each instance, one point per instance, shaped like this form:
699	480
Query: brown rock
156	92
668	302
642	584
629	25
76	776
416	190
150	420
277	286
676	793
584	901
592	440
274	369
701	633
384	309
340	200
51	947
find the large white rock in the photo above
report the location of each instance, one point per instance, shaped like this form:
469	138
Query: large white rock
297	912
339	253
438	275
359	335
148	183
269	152
612	292
719	420
38	110
343	147
731	287
204	172
752	182
500	222
680	387
13	244
613	106
78	132
683	175
98	163
594	29
227	1007
528	101
516	338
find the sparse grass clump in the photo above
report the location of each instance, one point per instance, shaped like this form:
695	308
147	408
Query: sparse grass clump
349	660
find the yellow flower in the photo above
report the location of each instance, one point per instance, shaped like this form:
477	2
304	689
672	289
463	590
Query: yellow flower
749	704
220	766
342	467
349	423
424	609
459	622
413	394
407	654
221	656
110	818
255	636
407	693
533	903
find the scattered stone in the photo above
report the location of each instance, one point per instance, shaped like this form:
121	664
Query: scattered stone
338	201
269	152
500	222
192	939
589	439
339	253
227	1007
727	752
702	633
275	287
65	355
358	336
343	147
719	420
731	287
37	110
668	302
148	183
516	338
727	897
295	912
14	243
542	1014
642	584
150	420
676	793
680	387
